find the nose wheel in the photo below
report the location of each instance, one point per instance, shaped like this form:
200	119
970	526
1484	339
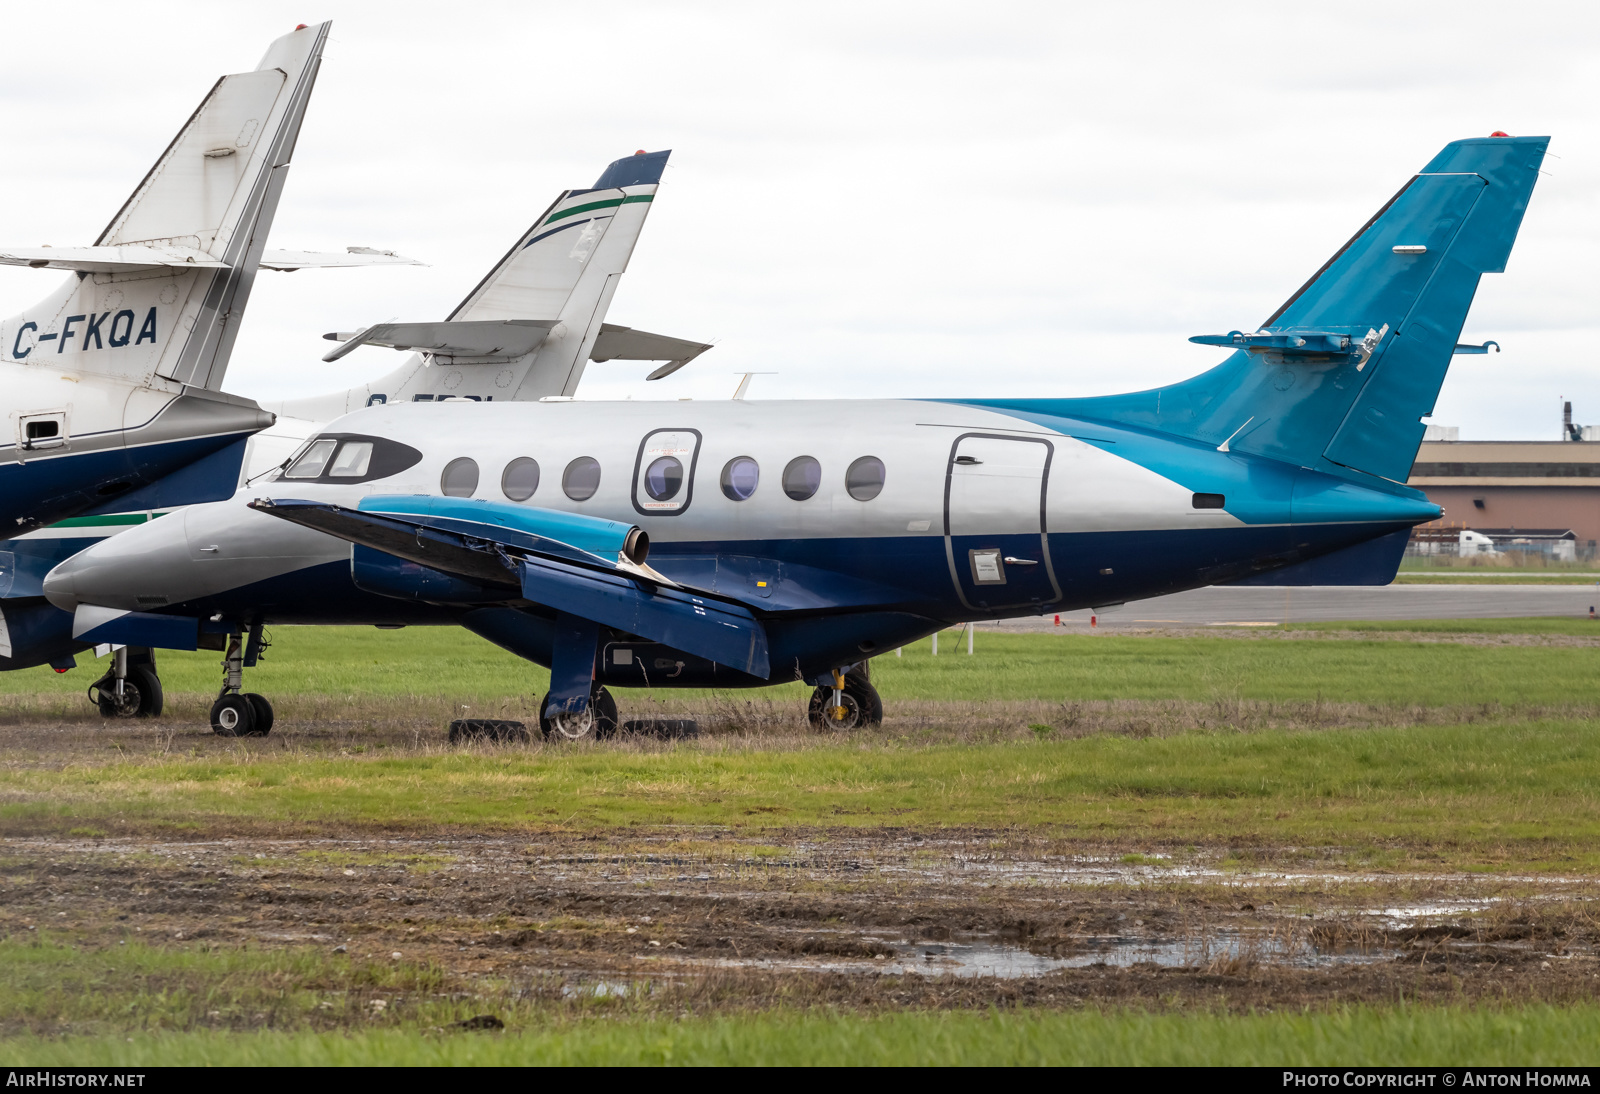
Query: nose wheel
239	713
131	689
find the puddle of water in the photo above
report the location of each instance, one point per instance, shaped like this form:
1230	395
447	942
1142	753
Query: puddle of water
603	989
989	957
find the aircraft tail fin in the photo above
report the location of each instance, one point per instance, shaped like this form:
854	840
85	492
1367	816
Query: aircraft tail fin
185	247
1341	375
559	277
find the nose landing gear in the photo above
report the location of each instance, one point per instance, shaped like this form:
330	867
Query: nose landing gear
239	713
131	689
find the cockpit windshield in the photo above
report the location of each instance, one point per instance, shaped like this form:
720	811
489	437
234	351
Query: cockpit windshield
349	458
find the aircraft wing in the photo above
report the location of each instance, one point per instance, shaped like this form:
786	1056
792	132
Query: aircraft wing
576	580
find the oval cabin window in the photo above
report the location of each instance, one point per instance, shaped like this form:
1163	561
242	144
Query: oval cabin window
864	480
460	478
581	478
520	480
802	477
740	478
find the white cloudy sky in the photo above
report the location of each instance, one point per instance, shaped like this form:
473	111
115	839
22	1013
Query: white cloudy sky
870	199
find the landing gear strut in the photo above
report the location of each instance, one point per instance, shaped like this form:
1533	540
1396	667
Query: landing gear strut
131	689
239	713
598	720
850	702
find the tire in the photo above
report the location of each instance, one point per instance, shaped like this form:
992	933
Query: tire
131	702
599	720
464	730
151	697
262	711
867	697
232	715
860	699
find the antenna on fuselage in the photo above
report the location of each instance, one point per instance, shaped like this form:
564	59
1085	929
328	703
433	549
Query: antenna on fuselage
744	384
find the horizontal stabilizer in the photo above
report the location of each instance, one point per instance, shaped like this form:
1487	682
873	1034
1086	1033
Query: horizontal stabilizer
136	258
127	258
289	261
626	344
501	339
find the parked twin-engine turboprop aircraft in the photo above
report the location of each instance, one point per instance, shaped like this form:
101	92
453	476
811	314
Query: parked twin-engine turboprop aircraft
533	322
741	543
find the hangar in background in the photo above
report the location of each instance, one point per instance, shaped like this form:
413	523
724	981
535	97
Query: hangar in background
1533	496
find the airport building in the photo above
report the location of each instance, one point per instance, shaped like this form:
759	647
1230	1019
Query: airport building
1526	496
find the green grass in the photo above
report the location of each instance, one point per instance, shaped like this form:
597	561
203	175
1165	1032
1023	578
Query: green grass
365	663
1480	793
1523	1036
1490	577
1565	625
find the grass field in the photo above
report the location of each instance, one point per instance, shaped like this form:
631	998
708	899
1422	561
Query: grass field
351	662
1389	760
1401	1037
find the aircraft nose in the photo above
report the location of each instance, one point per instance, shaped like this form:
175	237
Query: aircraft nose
133	570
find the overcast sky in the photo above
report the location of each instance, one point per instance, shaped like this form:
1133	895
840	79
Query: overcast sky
870	199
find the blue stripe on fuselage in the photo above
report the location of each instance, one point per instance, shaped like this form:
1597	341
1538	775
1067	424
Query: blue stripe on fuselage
1258	490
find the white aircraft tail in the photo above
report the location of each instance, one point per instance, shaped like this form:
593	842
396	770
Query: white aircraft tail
529	328
162	292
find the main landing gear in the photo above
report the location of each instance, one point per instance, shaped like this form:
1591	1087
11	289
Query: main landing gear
239	713
850	702
131	688
597	720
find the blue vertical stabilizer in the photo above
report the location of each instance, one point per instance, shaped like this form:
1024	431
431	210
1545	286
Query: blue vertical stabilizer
1341	375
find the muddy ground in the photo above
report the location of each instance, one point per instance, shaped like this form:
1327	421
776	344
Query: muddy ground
710	919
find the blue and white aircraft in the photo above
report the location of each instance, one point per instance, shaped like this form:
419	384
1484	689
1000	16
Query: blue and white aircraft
740	544
112	383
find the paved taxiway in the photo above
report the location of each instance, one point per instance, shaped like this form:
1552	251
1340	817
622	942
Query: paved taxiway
1222	604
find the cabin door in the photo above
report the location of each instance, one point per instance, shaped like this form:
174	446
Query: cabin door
994	522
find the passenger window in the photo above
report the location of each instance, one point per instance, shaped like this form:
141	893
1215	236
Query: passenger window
802	477
352	460
460	478
581	478
864	480
520	481
740	478
663	478
312	460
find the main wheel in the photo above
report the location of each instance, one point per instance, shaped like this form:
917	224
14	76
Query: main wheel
233	715
262	722
126	705
597	720
860	705
824	715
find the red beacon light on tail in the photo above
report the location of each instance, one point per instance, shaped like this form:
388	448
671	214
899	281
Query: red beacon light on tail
1499	133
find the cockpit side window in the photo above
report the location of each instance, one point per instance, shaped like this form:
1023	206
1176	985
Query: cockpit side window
352	461
350	458
312	460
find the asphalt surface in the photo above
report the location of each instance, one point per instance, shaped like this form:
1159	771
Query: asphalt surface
1222	604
